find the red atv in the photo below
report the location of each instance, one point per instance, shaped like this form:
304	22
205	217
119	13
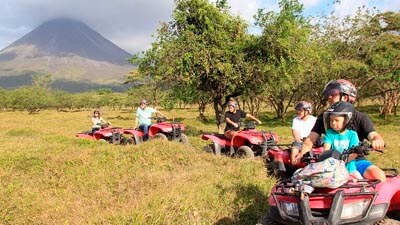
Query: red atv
113	135
246	143
173	131
278	160
356	202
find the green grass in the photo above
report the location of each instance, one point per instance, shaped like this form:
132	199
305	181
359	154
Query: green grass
47	176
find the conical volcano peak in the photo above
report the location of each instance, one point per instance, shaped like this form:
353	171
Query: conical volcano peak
66	37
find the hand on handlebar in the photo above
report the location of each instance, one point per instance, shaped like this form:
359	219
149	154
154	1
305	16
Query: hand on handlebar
236	125
378	144
297	158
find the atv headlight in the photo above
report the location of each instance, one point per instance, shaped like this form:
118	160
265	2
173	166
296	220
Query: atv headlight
290	208
354	209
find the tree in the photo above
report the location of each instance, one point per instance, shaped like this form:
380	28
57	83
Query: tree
200	48
367	52
284	51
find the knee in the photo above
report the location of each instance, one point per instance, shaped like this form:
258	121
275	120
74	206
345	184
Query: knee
373	172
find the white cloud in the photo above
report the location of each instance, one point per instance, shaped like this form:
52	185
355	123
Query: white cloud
310	3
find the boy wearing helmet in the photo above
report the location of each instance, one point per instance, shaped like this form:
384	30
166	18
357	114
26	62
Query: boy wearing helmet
339	138
344	90
301	126
232	118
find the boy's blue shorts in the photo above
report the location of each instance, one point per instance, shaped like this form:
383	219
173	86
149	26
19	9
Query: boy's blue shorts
362	165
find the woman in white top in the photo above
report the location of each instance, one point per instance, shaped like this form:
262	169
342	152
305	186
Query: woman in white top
97	121
301	126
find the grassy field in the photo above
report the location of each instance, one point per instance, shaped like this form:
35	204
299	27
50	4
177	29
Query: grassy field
47	176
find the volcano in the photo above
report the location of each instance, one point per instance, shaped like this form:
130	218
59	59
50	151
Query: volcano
67	49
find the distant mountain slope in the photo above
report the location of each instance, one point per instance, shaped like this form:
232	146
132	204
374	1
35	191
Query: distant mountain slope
67	49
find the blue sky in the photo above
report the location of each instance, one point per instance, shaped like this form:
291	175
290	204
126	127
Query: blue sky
130	23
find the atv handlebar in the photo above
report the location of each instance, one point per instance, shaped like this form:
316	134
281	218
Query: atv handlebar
159	119
361	150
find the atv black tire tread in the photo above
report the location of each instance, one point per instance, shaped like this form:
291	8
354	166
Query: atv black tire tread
128	141
388	221
160	136
184	139
267	220
245	152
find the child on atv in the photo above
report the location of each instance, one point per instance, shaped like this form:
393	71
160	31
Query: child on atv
232	118
98	121
339	138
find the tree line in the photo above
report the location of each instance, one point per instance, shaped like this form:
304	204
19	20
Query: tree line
206	56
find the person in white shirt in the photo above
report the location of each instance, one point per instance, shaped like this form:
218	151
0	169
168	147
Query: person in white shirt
97	121
301	126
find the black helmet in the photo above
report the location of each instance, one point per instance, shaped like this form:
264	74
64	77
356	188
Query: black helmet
345	109
304	105
344	87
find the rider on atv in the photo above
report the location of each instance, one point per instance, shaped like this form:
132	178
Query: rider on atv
301	126
232	118
143	118
97	121
344	90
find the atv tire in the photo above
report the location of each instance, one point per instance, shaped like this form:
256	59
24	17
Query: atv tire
388	221
128	141
394	215
245	152
213	148
160	136
184	139
267	220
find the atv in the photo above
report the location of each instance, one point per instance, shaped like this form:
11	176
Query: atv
113	135
358	201
246	143
278	160
162	129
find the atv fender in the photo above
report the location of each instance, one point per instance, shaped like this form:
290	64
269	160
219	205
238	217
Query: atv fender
222	142
134	132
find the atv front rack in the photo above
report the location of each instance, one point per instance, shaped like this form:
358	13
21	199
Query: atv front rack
287	194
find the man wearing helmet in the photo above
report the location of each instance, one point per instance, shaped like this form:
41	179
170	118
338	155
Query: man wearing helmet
344	90
301	126
232	118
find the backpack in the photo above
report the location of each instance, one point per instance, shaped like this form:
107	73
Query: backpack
329	173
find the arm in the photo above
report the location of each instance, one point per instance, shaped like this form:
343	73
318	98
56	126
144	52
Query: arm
136	122
253	118
327	146
231	122
159	114
376	139
307	145
296	135
103	121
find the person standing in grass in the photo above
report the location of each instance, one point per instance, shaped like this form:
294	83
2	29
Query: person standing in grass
344	90
143	118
